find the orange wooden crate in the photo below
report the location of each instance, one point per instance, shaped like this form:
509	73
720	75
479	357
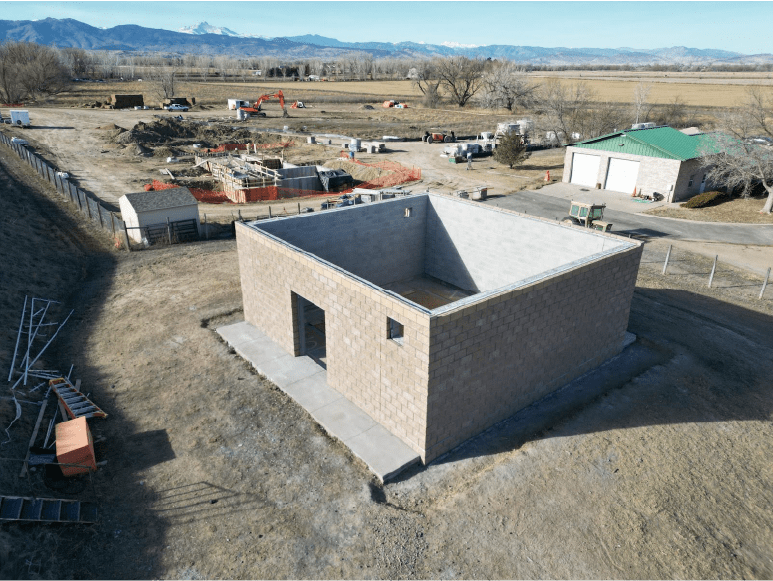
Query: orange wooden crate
75	446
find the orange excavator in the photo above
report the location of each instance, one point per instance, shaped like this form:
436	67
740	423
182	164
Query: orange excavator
255	109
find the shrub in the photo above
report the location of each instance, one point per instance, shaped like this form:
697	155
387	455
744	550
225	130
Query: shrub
706	199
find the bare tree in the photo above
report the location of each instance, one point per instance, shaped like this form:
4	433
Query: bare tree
222	64
674	113
640	95
462	77
734	157
428	82
506	85
600	119
29	70
203	63
565	107
163	79
316	66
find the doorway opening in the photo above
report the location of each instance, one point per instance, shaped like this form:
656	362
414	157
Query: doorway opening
311	330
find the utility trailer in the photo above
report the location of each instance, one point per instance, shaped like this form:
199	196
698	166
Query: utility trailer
20	117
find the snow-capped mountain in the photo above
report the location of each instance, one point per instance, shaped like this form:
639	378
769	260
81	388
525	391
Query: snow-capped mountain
207	28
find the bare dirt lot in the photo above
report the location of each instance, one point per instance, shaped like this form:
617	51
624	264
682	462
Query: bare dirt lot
214	473
106	162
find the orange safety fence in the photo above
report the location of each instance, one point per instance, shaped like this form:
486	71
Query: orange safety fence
399	174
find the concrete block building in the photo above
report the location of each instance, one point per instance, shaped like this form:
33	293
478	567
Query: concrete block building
440	316
660	160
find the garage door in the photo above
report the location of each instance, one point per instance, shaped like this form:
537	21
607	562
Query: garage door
585	169
621	175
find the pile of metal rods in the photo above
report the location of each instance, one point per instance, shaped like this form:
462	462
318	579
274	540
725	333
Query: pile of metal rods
32	340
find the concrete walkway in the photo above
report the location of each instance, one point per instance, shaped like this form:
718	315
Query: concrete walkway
306	382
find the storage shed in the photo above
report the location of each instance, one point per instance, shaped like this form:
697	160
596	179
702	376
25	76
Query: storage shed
148	212
659	160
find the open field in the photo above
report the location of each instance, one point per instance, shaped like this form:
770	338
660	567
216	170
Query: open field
214	473
701	90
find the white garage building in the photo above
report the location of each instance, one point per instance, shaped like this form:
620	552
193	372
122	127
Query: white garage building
147	214
660	160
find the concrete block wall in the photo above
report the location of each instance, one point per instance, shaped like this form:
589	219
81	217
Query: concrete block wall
493	358
656	175
457	372
683	190
301	183
386	379
481	248
375	241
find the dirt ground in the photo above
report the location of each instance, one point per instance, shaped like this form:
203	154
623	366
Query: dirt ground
103	161
214	473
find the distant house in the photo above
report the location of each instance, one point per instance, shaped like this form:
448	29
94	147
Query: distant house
147	213
660	160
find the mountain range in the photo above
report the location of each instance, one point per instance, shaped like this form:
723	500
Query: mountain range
208	39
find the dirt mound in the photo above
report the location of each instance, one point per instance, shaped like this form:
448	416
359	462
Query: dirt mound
111	127
360	173
165	151
137	149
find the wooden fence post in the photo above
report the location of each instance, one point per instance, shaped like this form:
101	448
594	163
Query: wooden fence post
169	231
112	223
88	209
668	255
99	211
206	228
765	284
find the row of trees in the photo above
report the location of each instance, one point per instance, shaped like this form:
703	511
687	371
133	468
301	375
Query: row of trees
29	71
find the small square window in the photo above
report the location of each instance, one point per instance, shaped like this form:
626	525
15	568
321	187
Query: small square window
395	331
408	212
689	184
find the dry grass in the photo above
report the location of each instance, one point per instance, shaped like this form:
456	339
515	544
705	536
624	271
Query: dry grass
691	94
713	91
739	211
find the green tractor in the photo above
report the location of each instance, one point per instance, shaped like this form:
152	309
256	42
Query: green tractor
588	216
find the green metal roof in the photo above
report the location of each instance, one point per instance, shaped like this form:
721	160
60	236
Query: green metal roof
664	142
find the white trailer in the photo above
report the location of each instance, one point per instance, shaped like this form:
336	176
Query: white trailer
20	117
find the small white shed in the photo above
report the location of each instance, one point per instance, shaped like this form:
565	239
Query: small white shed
153	209
234	104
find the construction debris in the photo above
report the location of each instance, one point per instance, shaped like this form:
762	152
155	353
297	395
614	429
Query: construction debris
76	405
34	315
21	508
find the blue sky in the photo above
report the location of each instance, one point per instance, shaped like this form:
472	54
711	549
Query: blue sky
737	26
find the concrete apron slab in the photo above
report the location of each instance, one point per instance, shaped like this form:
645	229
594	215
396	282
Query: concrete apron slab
306	382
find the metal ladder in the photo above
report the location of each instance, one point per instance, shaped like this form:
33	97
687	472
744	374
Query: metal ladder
75	403
20	508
